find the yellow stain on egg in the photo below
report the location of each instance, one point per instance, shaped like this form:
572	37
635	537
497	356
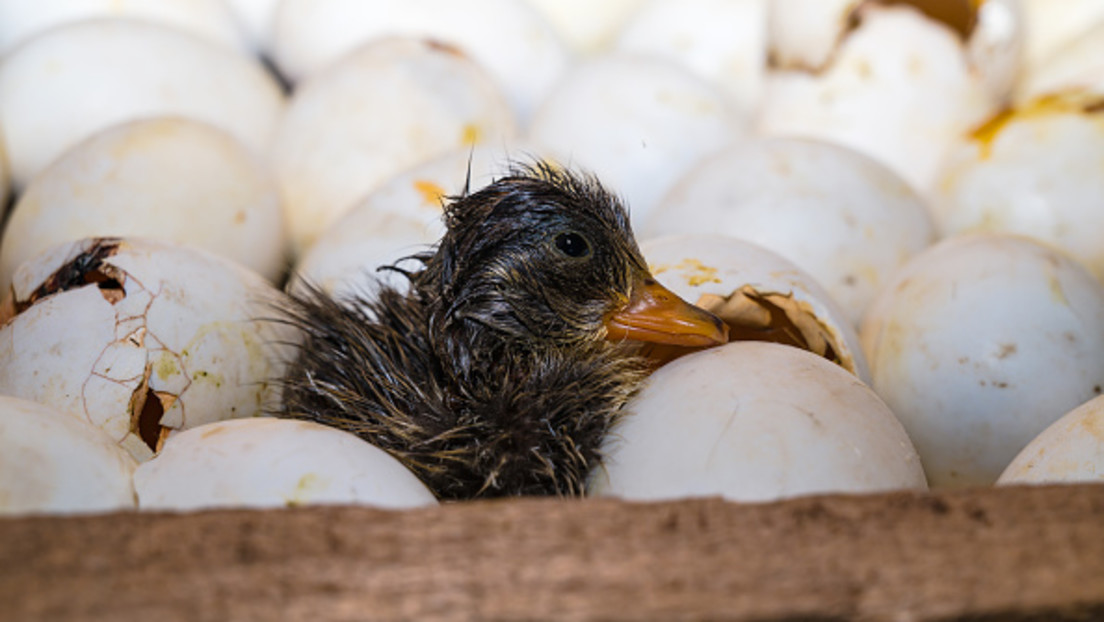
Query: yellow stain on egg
432	193
1070	102
698	273
470	135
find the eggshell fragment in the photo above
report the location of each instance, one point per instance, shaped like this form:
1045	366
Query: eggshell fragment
384	108
978	344
170	178
761	296
67	83
141	336
1069	450
840	216
638	123
754	421
1076	68
509	39
1055	24
265	463
56	462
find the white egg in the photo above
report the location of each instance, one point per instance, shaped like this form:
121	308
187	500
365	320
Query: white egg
1069	450
170	178
898	87
1052	25
140	337
509	39
384	108
804	33
761	296
755	422
840	216
56	462
981	342
1033	170
266	463
1075	68
638	123
721	41
21	20
65	84
588	27
257	19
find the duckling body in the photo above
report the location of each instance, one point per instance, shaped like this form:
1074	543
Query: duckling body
501	369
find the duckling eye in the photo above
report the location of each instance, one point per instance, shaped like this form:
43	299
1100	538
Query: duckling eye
572	244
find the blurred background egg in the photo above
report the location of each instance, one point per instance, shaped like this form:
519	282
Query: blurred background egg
267	463
256	19
1069	450
587	27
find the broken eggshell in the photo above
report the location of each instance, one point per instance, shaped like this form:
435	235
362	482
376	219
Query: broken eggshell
839	215
759	294
754	421
170	178
264	463
385	107
1075	71
1069	450
1053	25
140	337
978	344
57	462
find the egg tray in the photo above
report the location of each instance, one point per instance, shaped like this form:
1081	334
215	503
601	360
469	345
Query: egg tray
1015	553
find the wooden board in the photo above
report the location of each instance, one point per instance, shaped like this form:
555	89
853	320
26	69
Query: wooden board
993	554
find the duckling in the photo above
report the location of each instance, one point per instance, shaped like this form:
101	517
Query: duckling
501	368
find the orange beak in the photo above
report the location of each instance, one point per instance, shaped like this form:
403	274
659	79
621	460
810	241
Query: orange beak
655	314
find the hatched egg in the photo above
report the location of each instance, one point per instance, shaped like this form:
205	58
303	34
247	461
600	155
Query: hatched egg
721	41
170	178
1069	450
389	105
754	421
1034	170
587	27
509	39
266	463
56	462
67	83
638	123
978	344
760	295
840	216
897	86
141	337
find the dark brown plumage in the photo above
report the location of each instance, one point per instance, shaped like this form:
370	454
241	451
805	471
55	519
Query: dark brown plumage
493	375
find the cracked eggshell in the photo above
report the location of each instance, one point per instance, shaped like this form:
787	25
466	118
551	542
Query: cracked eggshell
141	336
1034	170
1069	450
389	105
638	123
898	88
265	463
753	421
978	344
170	178
20	21
510	39
56	462
721	41
121	70
842	217
761	295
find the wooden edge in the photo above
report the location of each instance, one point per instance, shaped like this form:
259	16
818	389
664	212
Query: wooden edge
1021	553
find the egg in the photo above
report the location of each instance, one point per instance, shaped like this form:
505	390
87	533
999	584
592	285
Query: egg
265	463
1069	450
978	344
840	216
1075	69
69	82
753	421
638	123
588	28
55	462
171	178
1032	170
721	41
20	21
256	19
509	39
140	337
898	87
760	295
389	105
1054	24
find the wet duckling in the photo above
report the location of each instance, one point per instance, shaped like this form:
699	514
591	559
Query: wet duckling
503	366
